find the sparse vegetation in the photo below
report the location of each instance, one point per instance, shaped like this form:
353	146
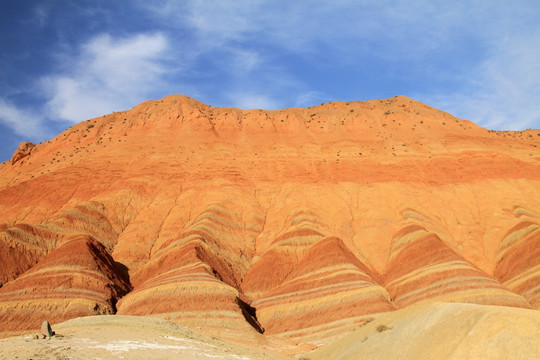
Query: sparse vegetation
382	328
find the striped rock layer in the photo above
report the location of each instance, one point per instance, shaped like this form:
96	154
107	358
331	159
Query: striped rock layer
327	291
79	278
193	274
295	223
22	244
518	267
421	267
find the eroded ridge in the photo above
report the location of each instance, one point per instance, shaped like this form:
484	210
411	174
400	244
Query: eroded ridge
320	288
422	268
518	265
79	278
194	278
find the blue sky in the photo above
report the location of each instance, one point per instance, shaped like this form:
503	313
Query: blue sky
63	61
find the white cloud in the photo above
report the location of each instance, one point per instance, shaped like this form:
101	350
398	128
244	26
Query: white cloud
213	22
248	100
311	98
252	42
24	123
301	27
217	21
40	16
109	74
492	77
251	53
503	92
245	61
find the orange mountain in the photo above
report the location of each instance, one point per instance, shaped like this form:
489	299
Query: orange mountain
302	224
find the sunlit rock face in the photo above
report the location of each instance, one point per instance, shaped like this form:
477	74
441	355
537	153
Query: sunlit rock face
76	279
297	223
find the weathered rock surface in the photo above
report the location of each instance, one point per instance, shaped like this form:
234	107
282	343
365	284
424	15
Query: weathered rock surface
77	279
421	267
518	265
302	223
22	151
46	329
326	291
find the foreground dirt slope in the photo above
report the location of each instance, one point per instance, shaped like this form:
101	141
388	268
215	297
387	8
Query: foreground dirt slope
426	331
300	223
442	331
129	337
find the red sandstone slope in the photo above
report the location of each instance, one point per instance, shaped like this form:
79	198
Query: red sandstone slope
78	278
319	218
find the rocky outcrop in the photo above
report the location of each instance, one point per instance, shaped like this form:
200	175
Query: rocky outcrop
422	268
327	291
518	265
194	278
77	279
24	149
21	247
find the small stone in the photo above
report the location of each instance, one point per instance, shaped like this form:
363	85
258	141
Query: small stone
46	329
35	337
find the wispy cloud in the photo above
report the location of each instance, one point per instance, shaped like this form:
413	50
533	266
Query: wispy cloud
256	43
224	21
244	61
214	24
503	91
249	100
40	15
24	123
310	98
108	74
476	60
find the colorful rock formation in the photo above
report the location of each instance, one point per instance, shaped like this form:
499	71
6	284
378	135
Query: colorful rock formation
518	265
421	268
299	223
193	273
327	291
77	279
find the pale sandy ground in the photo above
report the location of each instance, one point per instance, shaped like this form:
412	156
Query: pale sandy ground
442	331
127	337
430	331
